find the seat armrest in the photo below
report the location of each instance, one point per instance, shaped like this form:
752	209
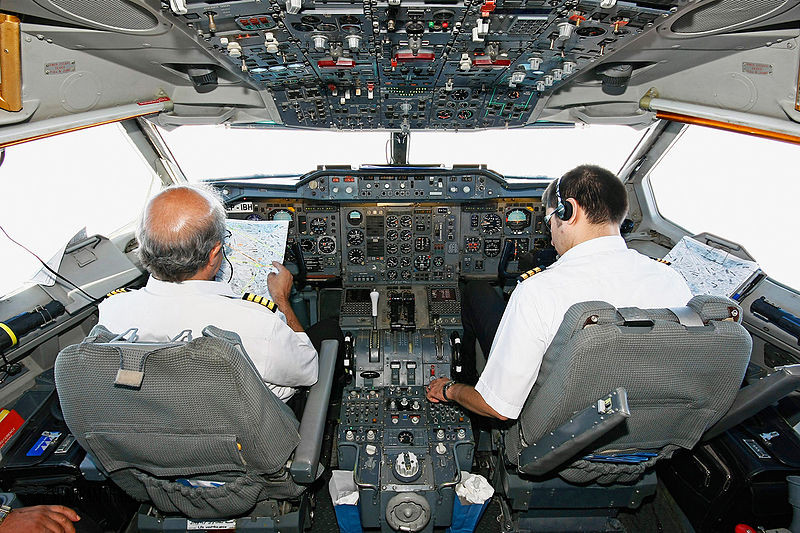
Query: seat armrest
312	425
756	396
575	435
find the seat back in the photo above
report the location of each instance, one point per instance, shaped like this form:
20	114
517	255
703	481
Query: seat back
189	426
680	379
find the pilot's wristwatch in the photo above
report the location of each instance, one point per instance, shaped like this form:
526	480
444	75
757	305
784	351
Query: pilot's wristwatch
444	390
5	510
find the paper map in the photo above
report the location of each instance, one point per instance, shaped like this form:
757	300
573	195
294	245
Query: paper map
251	248
709	270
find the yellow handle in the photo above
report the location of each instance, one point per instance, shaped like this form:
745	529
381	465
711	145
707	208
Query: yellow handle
10	64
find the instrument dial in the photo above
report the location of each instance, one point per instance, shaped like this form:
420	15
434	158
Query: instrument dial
308	245
444	114
465	114
438	261
392	275
422	244
326	245
392	262
356	256
392	235
405	262
254	216
355	237
355	217
422	262
472	244
405	248
491	247
391	221
281	214
405	221
491	223
318	225
391	248
518	219
459	94
405	235
406	275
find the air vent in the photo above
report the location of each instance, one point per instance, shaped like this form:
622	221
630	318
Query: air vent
725	15
116	15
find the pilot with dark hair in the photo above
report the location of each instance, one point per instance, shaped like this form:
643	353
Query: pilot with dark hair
181	235
583	212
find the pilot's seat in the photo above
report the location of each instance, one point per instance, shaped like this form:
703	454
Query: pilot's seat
570	461
190	428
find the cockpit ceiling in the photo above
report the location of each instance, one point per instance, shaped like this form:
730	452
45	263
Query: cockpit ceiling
422	64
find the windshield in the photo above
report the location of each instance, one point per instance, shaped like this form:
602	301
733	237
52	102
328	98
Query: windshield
522	153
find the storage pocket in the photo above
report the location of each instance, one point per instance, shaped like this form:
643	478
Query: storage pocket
234	498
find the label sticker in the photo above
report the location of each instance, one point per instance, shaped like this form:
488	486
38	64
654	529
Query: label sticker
59	67
193	525
762	69
756	449
44	442
242	207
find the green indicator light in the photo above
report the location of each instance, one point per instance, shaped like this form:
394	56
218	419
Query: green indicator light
430	24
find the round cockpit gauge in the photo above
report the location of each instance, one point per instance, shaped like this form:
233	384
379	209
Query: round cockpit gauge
405	248
391	248
406	275
308	245
491	247
518	219
391	221
405	262
465	114
444	114
405	221
405	437
254	216
459	94
391	262
318	225
491	223
438	261
326	245
355	217
422	262
472	244
405	235
356	256
392	235
282	214
355	237
391	275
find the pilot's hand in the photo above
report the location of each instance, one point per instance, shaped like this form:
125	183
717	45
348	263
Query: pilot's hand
280	284
41	518
434	392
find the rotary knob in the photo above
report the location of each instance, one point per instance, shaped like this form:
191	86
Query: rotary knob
441	449
349	435
415	405
440	434
371	435
461	433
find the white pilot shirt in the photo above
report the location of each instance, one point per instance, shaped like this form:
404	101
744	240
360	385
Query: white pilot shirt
161	310
601	269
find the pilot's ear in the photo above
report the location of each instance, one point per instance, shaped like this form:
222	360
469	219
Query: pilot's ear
215	251
575	212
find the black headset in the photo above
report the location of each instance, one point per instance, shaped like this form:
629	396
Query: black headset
563	210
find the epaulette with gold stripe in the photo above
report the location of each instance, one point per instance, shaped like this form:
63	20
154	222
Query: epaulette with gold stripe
118	291
661	260
255	298
529	273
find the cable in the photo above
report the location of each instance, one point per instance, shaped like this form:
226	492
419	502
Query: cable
91	298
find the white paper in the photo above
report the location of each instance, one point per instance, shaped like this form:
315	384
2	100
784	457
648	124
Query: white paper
251	248
709	270
342	488
44	277
474	488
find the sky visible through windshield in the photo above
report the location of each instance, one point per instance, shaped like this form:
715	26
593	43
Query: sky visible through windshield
740	188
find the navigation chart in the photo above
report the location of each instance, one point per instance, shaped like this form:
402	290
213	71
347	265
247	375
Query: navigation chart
709	270
251	247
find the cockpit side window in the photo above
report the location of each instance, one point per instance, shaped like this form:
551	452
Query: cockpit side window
55	187
744	189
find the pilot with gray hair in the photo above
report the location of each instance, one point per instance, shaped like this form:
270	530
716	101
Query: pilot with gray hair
181	237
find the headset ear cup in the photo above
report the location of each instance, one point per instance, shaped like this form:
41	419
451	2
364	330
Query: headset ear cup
566	213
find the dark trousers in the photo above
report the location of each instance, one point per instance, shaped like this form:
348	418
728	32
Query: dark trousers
322	330
481	310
